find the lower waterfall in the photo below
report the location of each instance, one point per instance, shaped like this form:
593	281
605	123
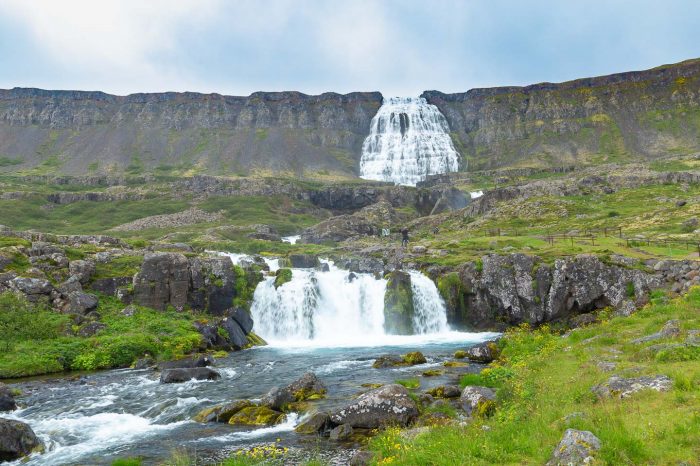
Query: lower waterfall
338	308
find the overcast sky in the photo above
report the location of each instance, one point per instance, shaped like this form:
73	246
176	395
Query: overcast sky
397	47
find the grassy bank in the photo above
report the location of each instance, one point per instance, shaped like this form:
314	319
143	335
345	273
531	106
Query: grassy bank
544	385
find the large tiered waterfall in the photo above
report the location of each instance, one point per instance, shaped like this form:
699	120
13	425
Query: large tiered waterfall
338	308
409	140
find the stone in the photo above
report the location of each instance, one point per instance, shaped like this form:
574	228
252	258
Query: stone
91	329
187	363
31	286
483	352
80	303
110	286
71	285
419	249
162	281
304	261
83	270
236	336
243	319
17	440
478	401
671	329
361	458
387	405
414	358
129	311
7	398
681	203
388	360
576	448
317	423
185	375
257	416
445	391
222	413
341	432
606	366
398	304
307	387
620	387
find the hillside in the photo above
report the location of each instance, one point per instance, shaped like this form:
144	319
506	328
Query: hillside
621	117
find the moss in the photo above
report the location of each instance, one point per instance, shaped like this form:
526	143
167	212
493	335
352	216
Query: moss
460	354
455	364
257	416
282	276
411	384
254	340
413	358
398	304
433	373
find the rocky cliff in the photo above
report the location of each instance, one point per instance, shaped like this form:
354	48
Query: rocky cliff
182	133
644	114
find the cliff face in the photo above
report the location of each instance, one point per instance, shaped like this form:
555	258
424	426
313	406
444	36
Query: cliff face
644	114
182	133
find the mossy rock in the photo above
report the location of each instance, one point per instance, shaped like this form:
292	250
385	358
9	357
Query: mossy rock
257	416
455	364
433	373
484	409
414	357
460	354
372	385
221	413
282	276
398	304
254	340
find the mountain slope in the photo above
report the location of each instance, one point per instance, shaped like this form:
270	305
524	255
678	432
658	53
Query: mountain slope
645	114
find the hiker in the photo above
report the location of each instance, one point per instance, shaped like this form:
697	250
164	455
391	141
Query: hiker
404	237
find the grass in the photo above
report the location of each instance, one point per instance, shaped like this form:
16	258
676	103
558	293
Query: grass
411	384
542	378
164	335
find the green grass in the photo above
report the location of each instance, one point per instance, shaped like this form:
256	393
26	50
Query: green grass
542	378
164	335
411	384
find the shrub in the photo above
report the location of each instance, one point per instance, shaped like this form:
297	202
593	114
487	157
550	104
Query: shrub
21	320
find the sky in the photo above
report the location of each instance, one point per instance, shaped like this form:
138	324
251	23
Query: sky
401	48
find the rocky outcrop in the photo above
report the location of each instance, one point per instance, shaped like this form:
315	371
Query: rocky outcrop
278	131
384	406
641	114
179	219
576	448
164	280
17	440
398	304
621	387
517	288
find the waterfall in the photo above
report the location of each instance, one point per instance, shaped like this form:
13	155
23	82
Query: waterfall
338	308
430	315
409	139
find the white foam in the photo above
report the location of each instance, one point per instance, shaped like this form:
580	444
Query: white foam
291	239
476	194
288	425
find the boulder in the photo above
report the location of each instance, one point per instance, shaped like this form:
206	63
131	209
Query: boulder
80	303
317	423
243	319
187	363
478	401
236	335
7	399
31	286
308	387
110	286
303	261
671	329
576	448
185	375
71	285
91	329
398	304
83	270
388	360
17	440
445	391
620	387
341	432
387	405
222	413
257	416
483	352
212	284
413	358
162	281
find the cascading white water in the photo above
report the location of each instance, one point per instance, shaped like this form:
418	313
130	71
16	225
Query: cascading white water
409	140
430	315
338	308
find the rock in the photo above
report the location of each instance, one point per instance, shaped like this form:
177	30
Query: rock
163	280
693	338
387	405
419	249
80	303
283	276
445	391
31	286
110	286
318	423
576	448
243	319
460	354
308	387
681	203
483	352
83	270
388	360
91	329
671	329
619	387
222	413
17	440
414	358
606	366
185	375
146	362
71	285
478	401
304	261
583	320
129	311
341	432
236	335
361	458
398	304
187	363
7	399
213	283
257	416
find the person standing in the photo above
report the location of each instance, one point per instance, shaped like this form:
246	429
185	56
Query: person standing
404	237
